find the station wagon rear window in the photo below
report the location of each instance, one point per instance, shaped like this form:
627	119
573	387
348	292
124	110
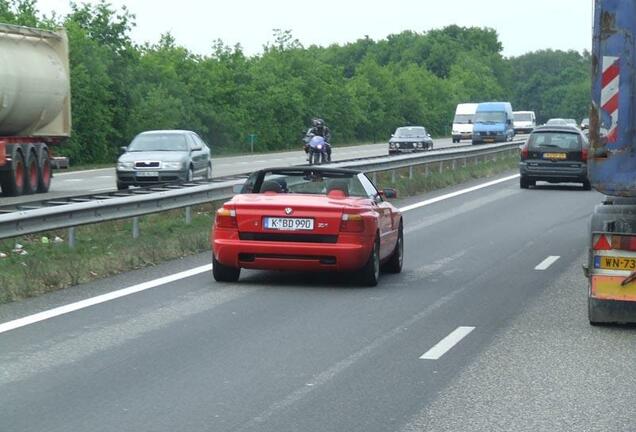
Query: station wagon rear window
555	140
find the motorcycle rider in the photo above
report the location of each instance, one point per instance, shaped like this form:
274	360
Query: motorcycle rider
318	127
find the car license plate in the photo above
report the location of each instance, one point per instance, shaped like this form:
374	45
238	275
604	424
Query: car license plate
489	140
288	224
555	156
147	174
615	263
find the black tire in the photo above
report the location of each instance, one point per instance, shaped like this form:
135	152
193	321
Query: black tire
524	183
122	186
189	175
587	185
394	264
208	172
45	172
223	273
370	273
31	172
13	179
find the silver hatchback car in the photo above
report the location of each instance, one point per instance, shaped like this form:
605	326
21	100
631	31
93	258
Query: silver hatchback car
163	156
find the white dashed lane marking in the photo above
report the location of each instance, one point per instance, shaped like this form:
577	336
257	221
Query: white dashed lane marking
445	345
546	263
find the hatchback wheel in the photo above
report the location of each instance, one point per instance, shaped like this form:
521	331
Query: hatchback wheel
190	175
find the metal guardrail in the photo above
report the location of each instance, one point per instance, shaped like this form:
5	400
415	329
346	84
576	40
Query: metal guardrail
83	213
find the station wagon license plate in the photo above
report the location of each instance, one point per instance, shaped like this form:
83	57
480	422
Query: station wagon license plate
555	156
288	224
615	263
147	174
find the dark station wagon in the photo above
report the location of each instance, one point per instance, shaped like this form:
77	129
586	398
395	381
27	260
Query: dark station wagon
554	154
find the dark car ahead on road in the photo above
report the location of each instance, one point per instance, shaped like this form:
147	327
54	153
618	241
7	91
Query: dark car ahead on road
554	154
410	139
163	156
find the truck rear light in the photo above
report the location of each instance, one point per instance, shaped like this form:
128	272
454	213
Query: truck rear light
611	242
351	223
626	243
524	152
225	218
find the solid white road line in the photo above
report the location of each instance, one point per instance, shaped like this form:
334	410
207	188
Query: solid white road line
546	263
11	325
443	346
457	193
31	319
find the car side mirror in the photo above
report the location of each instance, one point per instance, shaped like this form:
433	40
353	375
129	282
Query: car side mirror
388	193
237	188
470	122
392	135
122	150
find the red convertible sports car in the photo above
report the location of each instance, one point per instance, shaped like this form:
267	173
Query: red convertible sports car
308	219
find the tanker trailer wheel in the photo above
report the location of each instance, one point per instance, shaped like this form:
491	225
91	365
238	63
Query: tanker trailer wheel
13	179
31	171
45	173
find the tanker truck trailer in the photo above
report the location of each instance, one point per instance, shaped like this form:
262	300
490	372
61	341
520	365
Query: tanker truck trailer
35	106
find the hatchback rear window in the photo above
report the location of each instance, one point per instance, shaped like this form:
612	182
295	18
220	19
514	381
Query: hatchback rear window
559	140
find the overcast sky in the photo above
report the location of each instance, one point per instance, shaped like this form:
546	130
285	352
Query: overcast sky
522	25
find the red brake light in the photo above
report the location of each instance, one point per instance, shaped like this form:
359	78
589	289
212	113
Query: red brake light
584	153
627	243
351	223
225	218
524	151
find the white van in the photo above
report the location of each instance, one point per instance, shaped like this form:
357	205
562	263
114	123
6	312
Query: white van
525	121
463	121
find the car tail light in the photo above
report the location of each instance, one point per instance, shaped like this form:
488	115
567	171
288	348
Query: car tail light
524	152
225	218
584	152
351	223
609	242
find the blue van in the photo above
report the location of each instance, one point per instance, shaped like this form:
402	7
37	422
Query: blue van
494	122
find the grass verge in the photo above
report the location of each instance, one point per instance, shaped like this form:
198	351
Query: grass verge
107	249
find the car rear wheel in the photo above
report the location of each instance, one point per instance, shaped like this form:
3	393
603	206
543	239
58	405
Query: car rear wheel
223	273
524	183
370	274
394	264
122	186
587	185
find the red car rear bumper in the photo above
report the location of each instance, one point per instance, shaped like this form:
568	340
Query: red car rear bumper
349	253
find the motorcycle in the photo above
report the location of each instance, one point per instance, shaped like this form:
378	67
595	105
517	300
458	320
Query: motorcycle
317	147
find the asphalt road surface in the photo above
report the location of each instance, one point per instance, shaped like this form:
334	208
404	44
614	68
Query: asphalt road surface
103	180
485	330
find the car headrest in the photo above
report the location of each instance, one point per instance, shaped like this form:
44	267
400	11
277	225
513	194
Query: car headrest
338	184
271	186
